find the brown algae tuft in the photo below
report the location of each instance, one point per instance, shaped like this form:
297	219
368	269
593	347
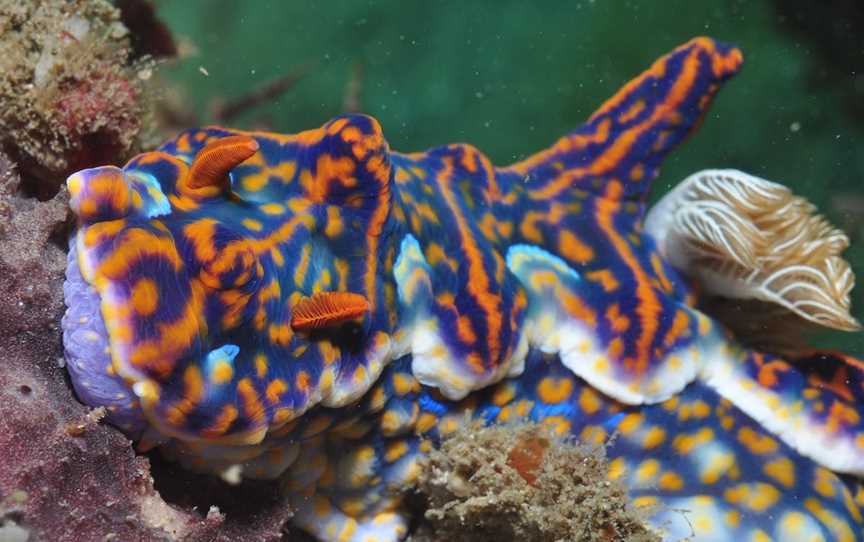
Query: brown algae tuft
523	482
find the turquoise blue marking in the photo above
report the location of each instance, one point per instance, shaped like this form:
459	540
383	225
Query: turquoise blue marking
534	254
225	353
155	202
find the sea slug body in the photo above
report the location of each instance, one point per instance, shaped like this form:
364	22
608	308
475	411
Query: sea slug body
318	307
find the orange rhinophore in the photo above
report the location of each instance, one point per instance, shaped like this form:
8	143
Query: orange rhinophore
325	309
216	159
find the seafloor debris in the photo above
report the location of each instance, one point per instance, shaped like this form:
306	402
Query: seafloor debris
523	482
71	95
63	475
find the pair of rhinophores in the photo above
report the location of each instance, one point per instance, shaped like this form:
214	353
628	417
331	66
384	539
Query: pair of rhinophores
317	307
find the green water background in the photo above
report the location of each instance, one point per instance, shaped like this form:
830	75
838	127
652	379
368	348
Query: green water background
512	76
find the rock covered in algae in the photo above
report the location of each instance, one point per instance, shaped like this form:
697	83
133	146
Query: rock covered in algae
523	482
71	94
63	475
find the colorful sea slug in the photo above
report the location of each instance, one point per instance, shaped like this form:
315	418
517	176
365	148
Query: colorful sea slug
317	307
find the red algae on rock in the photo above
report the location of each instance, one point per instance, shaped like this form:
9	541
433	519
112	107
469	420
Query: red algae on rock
71	94
523	482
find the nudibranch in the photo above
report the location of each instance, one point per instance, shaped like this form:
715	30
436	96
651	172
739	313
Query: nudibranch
318	308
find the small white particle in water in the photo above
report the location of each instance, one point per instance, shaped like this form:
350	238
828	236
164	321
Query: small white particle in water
145	74
795	126
203	71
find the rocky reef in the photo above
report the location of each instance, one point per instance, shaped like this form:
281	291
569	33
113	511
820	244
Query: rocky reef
72	93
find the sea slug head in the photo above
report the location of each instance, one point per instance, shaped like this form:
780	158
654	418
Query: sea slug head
231	280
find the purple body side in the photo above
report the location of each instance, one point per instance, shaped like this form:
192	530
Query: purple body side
88	358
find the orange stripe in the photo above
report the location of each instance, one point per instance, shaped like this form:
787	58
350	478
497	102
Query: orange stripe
847	359
174	338
235	248
648	308
720	66
562	146
574	248
657	264
478	281
768	372
839	384
494	191
623	144
251	402
657	71
222	422
575	306
679	325
131	246
157	156
275	389
194	391
617	321
302	266
373	232
841	415
632	112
